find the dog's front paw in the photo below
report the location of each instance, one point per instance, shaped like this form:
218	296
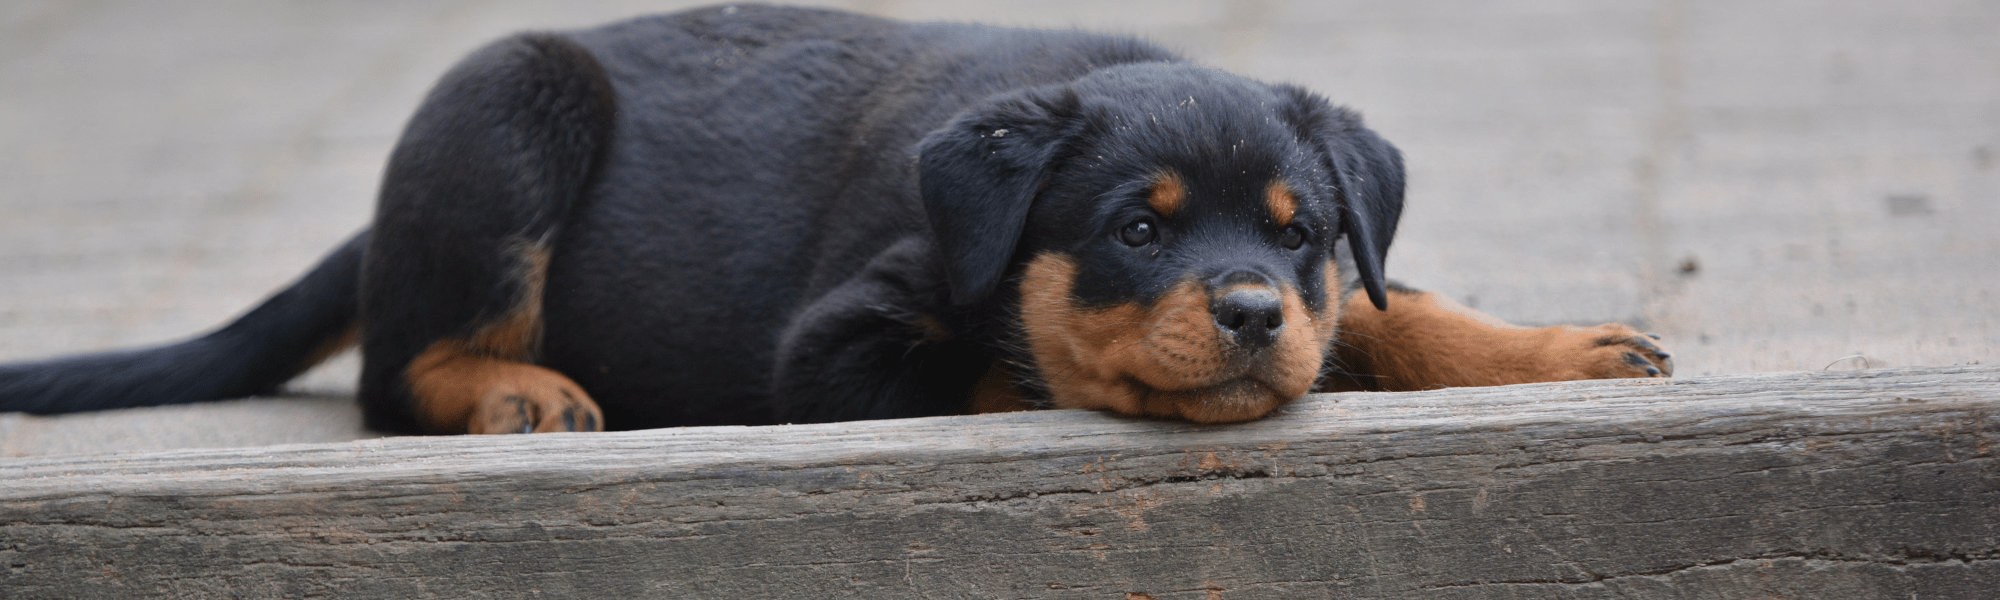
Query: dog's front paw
1609	351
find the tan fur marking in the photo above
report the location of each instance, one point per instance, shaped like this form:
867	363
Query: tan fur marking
1168	194
995	393
1168	359
518	334
483	382
1283	204
1426	341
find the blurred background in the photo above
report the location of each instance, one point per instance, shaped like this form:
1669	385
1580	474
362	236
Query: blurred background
1770	186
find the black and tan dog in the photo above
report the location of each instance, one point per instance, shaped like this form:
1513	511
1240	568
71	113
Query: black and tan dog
757	215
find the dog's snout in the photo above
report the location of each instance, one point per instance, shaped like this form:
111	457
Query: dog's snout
1239	277
1251	315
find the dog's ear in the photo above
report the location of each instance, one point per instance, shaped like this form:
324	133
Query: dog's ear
980	173
1368	172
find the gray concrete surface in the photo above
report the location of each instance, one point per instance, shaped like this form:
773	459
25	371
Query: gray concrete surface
1771	186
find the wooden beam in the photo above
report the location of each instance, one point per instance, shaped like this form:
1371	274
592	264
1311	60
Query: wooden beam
1868	484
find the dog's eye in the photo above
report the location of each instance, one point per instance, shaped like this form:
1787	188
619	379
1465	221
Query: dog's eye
1138	233
1293	237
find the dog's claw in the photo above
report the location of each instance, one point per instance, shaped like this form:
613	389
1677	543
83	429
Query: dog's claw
1647	345
1640	361
521	411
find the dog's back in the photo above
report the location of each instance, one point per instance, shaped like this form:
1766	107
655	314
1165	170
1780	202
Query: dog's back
771	151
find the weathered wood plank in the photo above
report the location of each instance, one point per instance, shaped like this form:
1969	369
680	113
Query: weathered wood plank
1874	484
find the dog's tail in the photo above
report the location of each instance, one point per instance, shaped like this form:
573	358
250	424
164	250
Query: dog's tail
287	334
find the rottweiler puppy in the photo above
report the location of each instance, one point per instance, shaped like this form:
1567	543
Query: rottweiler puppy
751	215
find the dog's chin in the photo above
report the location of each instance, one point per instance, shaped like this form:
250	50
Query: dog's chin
1228	401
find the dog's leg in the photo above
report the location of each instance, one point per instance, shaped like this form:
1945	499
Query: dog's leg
475	194
483	382
872	348
1426	341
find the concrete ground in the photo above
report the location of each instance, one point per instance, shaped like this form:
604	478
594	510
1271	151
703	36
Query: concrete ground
1771	186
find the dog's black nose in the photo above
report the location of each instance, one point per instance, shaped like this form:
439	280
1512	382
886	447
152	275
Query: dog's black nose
1251	315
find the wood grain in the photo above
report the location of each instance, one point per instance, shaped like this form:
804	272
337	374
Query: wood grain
1865	484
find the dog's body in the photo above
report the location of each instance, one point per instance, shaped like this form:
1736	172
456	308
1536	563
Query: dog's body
757	215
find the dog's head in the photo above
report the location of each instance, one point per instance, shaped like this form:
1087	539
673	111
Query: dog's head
1172	231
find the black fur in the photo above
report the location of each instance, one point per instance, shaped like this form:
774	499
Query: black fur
492	164
1369	178
253	355
759	215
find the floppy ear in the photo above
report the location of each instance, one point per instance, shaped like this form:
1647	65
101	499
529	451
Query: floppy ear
1369	174
979	174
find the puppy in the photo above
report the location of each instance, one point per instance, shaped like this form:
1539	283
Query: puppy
753	215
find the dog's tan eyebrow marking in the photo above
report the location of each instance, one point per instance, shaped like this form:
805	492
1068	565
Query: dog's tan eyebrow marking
1283	204
1168	194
